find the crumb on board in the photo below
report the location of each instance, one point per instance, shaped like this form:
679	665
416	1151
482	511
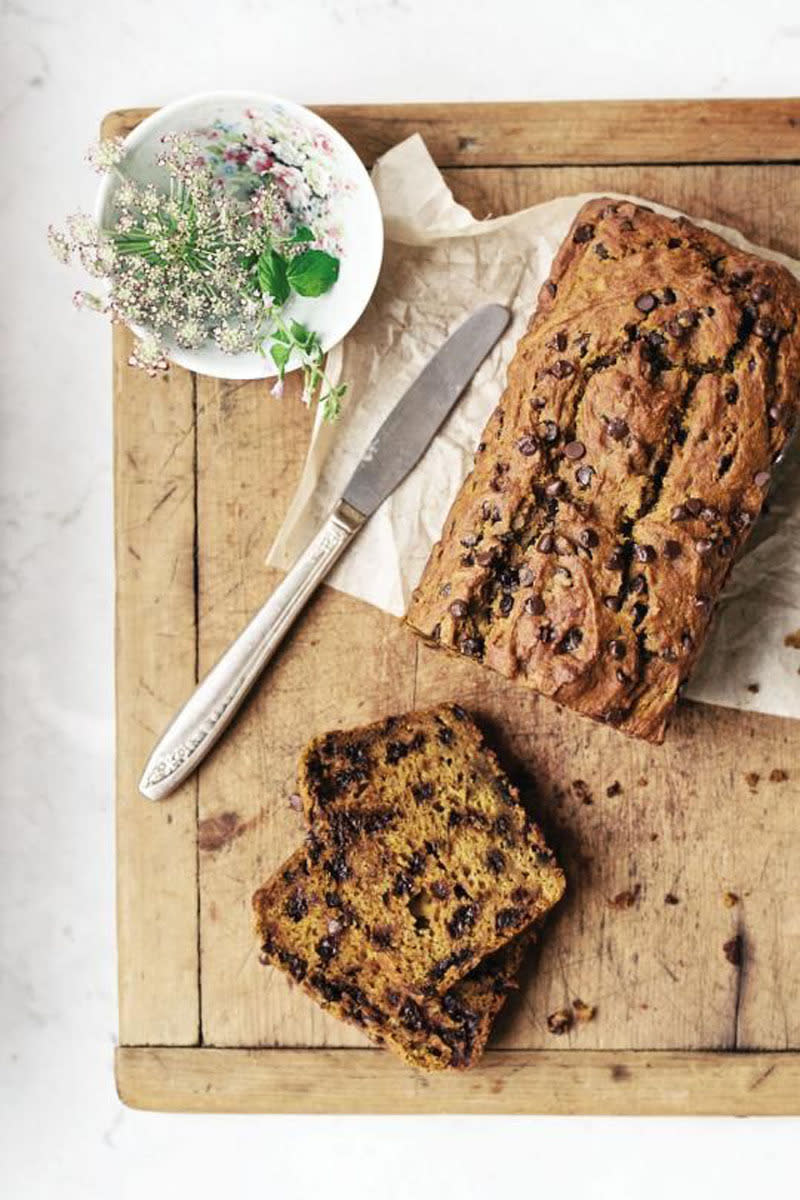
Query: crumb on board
755	688
732	949
581	789
614	789
778	775
642	781
628	898
752	778
295	802
671	898
793	640
730	899
583	1012
560	1021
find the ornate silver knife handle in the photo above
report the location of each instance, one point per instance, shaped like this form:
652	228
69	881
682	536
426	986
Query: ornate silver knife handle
212	706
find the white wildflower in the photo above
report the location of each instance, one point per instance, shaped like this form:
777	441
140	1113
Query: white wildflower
59	244
277	388
148	353
105	154
189	334
83	299
231	339
82	228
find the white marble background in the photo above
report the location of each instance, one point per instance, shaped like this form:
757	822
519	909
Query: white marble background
64	63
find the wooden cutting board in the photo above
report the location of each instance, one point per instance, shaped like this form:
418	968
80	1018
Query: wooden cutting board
204	471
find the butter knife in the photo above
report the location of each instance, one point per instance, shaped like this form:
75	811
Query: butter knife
394	450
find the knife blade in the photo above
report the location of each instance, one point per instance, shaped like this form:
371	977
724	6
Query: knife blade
391	454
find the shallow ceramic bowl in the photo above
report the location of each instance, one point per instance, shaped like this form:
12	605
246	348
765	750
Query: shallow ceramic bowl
326	182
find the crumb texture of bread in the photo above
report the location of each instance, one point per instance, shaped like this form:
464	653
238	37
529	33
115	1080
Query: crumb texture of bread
410	924
622	470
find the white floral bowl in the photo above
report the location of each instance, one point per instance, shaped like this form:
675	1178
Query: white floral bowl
316	169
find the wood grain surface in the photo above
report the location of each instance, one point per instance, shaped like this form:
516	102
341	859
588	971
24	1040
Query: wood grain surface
204	471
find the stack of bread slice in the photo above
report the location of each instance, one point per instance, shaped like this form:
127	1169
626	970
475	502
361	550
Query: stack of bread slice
422	879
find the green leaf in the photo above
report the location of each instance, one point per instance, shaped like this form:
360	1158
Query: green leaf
280	355
300	334
280	335
313	272
301	234
272	276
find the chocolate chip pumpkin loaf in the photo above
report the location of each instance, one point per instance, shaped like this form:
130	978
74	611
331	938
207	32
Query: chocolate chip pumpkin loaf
623	468
424	838
302	933
335	916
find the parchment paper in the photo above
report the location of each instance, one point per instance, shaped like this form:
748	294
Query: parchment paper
440	264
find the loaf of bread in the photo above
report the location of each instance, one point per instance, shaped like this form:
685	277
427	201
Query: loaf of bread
421	883
623	468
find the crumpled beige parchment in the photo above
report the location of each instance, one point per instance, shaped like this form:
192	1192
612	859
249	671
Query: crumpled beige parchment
440	264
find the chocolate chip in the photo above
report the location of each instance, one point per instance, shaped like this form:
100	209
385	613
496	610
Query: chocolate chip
570	641
637	584
761	478
644	553
550	432
527	445
546	633
574	450
613	603
327	948
760	293
546	544
695	506
550	287
506	603
555	487
440	889
584	233
703	546
616	648
462	919
668	296
485	558
559	341
616	559
764	328
534	605
639	613
654	338
679	513
672	549
673	243
601	251
588	538
583	475
621	676
459	608
731	393
617	428
472	647
702	602
646	302
674	328
470	539
774	413
495	860
562	369
688	318
296	907
508	918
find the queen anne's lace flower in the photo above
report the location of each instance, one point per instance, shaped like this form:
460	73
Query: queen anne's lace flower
59	244
105	154
148	353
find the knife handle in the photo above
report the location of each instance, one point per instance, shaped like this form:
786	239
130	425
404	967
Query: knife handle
212	706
